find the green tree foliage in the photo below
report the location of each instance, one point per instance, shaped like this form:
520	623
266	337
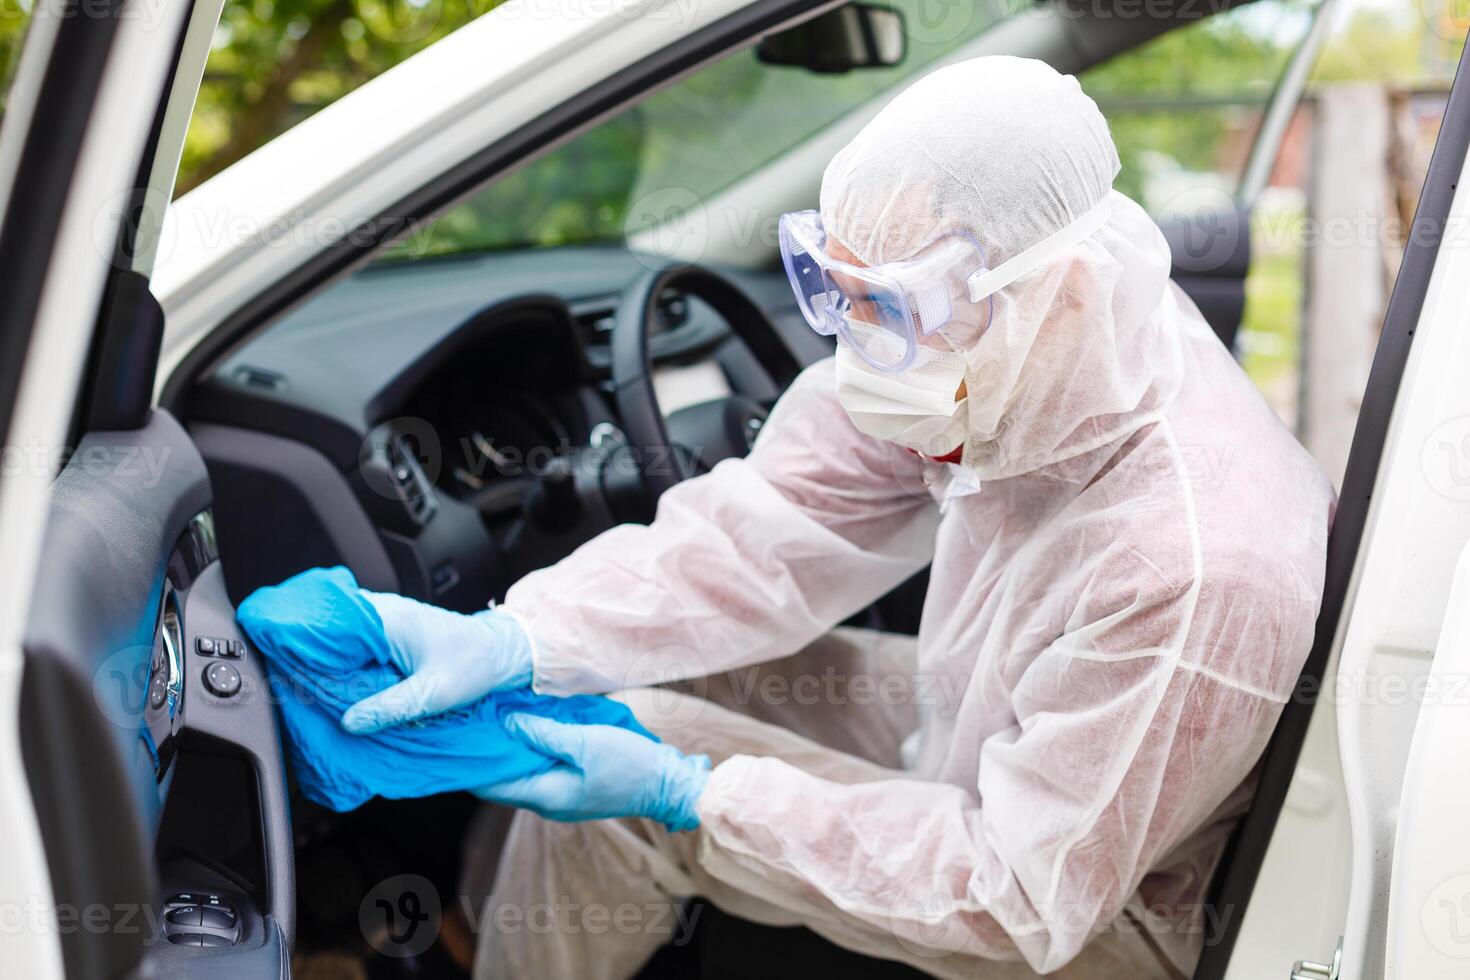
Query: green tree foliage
1173	102
15	15
1416	45
275	62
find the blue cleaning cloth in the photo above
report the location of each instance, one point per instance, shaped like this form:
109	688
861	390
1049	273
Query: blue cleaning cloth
326	650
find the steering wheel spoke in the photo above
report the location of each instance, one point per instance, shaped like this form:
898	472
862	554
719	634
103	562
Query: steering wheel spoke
722	427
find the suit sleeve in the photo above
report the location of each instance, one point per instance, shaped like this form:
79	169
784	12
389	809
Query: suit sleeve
747	563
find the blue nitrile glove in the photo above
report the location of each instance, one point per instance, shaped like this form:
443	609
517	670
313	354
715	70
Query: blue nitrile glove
604	772
449	660
325	647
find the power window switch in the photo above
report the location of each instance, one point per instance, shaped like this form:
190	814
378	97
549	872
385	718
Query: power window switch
217	918
184	915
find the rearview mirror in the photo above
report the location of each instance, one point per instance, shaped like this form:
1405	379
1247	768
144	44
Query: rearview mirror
853	36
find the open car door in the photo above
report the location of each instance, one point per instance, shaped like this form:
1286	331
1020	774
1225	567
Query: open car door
143	794
1352	859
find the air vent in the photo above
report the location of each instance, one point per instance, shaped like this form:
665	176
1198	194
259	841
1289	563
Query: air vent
254	377
596	317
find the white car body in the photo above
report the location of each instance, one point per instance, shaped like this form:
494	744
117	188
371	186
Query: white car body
1370	848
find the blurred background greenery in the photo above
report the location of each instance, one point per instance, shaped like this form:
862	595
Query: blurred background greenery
1183	110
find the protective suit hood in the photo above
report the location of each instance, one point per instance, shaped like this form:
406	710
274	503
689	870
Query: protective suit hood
1078	352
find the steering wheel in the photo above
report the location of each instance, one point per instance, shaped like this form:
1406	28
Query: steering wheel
661	464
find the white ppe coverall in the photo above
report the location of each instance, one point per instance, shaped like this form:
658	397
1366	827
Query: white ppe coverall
1126	568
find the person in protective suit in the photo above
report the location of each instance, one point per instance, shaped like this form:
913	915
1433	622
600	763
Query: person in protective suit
1127	553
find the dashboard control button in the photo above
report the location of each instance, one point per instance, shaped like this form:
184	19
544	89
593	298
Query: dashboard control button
205	645
186	939
222	680
217	918
184	915
234	648
157	691
207	939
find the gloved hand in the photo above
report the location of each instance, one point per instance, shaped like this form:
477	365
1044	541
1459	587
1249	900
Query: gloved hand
449	659
604	772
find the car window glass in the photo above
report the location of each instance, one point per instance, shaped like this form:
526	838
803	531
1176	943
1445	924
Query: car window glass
699	135
1185	107
1185	110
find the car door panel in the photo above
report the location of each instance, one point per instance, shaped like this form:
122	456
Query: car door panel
116	713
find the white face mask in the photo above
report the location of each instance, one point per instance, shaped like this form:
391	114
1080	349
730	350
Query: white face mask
915	408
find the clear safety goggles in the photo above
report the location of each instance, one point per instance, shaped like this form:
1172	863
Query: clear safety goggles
904	301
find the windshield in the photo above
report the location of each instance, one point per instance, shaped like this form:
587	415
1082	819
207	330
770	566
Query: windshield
698	136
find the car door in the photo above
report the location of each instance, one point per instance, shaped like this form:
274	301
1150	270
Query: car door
143	794
1352	857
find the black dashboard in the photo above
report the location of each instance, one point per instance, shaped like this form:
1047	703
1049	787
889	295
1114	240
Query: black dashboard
441	426
441	429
